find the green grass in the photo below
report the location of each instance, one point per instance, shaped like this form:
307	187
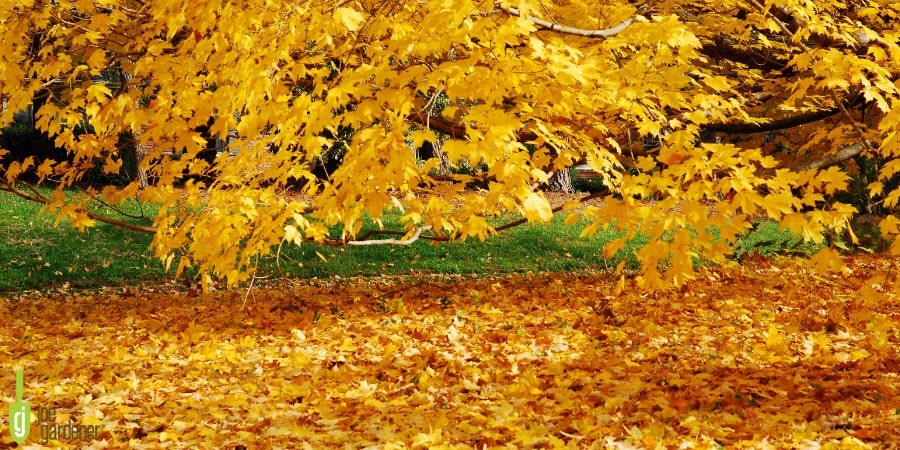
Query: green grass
35	254
529	247
768	238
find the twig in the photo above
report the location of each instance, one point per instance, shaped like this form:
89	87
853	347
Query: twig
116	209
371	233
853	123
250	288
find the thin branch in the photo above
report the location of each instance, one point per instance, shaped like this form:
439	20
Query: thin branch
547	11
604	33
414	238
555	210
35	191
720	49
8	187
371	233
363	240
116	209
458	130
853	123
452	129
784	27
843	154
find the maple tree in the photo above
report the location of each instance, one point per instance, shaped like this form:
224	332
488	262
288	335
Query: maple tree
514	91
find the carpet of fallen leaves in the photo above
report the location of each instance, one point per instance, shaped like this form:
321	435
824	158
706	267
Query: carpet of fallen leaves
766	355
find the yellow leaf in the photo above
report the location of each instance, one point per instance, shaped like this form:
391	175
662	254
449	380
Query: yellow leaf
349	17
98	92
45	169
718	83
112	165
537	208
828	260
645	164
890	225
834	179
292	234
15	168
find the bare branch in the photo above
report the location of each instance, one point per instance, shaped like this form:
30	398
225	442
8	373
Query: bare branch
115	208
452	129
414	238
832	159
604	33
555	210
845	153
721	49
370	233
364	239
859	131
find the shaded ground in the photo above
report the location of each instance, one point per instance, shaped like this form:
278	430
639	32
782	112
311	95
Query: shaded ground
762	356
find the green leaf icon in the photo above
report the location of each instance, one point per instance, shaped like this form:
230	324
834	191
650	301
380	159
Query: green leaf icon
19	412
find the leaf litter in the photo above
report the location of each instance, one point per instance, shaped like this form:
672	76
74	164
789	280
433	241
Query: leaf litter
768	355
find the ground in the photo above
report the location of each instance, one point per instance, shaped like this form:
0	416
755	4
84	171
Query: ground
767	355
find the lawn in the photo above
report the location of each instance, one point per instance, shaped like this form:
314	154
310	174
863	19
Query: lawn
38	253
35	252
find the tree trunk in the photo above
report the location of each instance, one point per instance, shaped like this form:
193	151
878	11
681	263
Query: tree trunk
430	150
561	181
134	154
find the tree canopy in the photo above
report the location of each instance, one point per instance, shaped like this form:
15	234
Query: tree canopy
514	91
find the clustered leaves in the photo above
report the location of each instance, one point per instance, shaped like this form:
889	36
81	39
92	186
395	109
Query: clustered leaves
522	98
762	356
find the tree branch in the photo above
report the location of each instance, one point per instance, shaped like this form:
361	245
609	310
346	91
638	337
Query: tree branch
364	239
412	239
9	187
773	125
450	128
371	233
115	208
781	24
604	33
723	50
853	123
457	130
832	159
